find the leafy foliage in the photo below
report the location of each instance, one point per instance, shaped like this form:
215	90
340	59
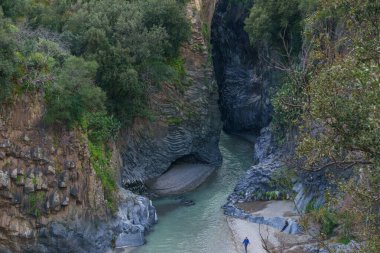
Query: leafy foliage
74	94
336	104
100	162
95	61
101	127
132	42
35	203
7	58
270	19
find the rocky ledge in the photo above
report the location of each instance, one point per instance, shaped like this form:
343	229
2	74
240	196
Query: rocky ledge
135	216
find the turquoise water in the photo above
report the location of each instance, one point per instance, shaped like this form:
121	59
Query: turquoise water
202	227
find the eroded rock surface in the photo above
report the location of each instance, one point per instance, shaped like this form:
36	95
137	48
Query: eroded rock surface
243	77
187	122
51	199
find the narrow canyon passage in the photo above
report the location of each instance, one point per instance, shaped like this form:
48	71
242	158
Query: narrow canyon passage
201	227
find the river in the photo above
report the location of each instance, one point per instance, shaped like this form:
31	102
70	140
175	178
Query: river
202	227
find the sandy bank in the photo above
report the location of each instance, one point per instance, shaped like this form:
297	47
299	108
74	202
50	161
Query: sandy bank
275	239
181	178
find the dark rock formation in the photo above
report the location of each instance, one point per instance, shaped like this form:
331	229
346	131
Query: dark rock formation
51	199
258	182
135	216
244	79
187	124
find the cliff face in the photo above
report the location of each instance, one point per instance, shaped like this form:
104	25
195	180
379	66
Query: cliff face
50	195
244	79
51	198
44	171
187	122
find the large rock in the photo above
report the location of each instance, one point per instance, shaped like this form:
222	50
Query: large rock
127	228
243	78
135	216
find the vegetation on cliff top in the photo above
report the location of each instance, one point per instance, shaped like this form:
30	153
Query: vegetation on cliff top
331	94
95	61
132	43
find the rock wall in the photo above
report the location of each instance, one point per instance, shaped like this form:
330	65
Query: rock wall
243	78
261	181
51	199
187	122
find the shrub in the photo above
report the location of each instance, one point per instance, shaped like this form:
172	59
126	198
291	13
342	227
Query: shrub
101	127
35	203
100	163
74	94
7	58
268	19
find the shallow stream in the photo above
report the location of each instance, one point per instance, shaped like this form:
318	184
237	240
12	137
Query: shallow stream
202	227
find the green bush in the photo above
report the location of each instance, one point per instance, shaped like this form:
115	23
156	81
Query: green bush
74	94
35	203
269	19
101	127
328	221
132	42
170	15
100	163
7	58
176	121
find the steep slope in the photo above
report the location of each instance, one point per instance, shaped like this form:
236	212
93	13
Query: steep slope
187	125
52	200
51	197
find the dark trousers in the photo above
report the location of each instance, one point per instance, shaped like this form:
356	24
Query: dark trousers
245	247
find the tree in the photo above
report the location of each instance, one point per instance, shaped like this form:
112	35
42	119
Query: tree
74	94
7	57
337	105
269	19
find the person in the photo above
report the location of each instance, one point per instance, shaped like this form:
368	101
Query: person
246	242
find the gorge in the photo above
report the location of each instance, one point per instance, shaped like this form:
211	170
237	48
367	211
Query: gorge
167	126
